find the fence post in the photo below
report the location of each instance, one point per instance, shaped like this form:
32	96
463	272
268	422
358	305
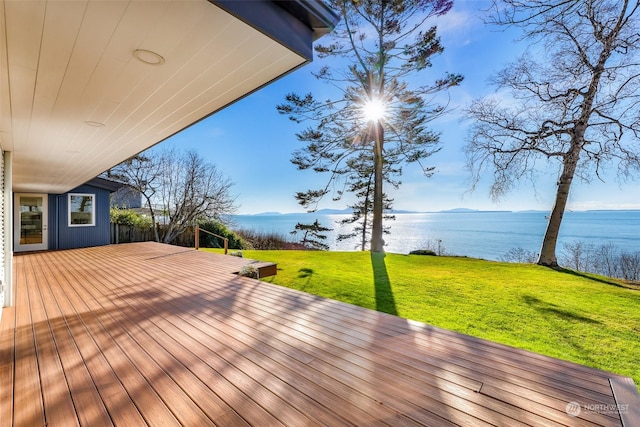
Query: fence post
196	232
226	246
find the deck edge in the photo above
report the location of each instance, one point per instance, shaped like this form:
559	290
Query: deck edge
627	400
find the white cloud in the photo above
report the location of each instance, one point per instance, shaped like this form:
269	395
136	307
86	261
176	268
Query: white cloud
457	26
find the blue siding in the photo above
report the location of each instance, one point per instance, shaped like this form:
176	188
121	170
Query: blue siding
61	236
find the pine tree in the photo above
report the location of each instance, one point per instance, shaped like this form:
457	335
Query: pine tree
381	43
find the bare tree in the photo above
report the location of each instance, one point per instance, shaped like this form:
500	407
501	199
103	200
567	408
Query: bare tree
630	266
193	189
520	255
578	255
379	43
606	260
182	186
143	174
576	99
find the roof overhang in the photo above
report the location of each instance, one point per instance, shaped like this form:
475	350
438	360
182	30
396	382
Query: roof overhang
77	98
105	184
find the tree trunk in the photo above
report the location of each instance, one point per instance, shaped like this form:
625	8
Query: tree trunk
172	232
549	242
365	223
548	251
377	243
365	220
156	236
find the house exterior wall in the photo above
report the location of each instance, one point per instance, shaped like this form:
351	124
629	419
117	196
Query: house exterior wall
63	236
6	229
126	198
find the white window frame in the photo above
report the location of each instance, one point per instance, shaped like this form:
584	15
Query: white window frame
93	209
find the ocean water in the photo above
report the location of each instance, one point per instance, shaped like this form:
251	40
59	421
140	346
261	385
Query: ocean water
488	235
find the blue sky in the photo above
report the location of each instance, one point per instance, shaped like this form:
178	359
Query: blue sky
252	144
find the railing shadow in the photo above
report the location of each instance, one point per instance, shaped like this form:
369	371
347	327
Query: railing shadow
385	301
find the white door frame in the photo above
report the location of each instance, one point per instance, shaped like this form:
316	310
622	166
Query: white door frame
42	222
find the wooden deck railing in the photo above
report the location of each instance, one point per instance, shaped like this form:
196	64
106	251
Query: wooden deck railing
197	231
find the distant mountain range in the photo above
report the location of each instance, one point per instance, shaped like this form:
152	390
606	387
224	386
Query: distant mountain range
395	211
267	214
399	211
348	211
465	210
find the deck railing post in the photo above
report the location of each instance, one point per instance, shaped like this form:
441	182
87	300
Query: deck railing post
197	231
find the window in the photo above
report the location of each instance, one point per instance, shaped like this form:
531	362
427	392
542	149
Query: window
82	210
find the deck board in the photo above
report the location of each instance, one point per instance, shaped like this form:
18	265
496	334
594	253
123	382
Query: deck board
55	388
193	328
411	388
7	365
27	396
151	334
92	384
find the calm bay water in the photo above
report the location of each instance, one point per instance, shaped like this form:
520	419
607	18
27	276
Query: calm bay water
487	235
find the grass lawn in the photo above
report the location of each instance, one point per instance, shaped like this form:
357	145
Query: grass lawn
582	318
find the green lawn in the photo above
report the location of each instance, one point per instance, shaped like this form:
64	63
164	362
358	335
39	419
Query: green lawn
585	319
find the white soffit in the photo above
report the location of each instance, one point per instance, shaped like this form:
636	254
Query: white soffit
74	101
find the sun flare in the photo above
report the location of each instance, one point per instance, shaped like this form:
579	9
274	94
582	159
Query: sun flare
373	110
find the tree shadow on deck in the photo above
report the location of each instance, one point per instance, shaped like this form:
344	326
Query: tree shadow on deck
385	301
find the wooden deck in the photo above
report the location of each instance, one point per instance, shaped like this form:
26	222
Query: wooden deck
150	334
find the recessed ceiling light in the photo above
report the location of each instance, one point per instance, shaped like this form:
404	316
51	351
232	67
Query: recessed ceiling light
94	124
148	57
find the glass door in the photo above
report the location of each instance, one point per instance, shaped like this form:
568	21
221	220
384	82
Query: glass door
30	233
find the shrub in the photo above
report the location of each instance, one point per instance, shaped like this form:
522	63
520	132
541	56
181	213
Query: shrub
605	260
578	255
129	217
428	252
630	266
264	241
434	245
209	241
249	271
519	255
